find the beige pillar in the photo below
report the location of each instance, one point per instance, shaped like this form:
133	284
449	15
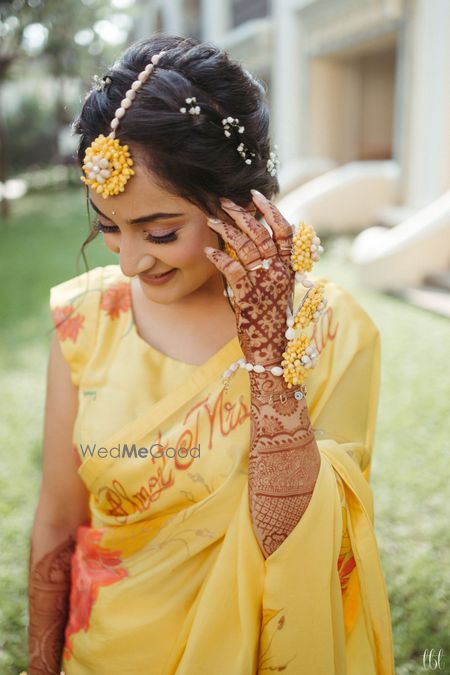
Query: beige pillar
290	81
427	151
172	16
215	18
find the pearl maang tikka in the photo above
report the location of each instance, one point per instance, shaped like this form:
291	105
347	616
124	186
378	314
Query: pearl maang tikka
107	163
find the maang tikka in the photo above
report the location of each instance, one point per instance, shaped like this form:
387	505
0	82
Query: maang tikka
107	163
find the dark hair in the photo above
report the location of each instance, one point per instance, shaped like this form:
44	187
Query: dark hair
189	154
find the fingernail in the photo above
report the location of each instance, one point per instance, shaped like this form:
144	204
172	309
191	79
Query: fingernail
208	249
214	221
258	195
227	202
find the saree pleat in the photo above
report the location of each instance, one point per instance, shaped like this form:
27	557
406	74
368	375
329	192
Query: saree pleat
168	577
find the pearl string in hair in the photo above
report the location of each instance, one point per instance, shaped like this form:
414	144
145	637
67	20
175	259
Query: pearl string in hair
107	163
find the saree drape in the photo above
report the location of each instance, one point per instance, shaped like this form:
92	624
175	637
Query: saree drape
168	577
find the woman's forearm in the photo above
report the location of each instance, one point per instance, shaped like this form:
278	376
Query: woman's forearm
48	598
284	461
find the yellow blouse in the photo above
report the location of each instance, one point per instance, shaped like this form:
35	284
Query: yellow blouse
168	577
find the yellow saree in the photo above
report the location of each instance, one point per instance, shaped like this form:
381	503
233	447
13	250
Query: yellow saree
168	577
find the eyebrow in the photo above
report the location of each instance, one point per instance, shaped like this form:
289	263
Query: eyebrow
142	219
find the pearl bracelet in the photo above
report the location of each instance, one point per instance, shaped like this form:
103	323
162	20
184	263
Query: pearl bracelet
256	367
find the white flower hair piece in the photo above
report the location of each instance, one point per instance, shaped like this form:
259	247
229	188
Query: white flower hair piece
228	123
100	83
273	162
194	109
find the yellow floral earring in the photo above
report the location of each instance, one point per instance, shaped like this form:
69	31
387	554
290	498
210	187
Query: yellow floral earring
107	164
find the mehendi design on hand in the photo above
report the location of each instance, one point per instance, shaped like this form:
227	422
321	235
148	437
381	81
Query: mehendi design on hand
261	296
284	458
48	600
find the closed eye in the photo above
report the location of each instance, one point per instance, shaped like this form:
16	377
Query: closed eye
162	239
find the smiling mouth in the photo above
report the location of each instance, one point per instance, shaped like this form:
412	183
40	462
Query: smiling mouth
156	276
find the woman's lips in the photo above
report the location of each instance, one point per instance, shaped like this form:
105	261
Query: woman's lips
153	279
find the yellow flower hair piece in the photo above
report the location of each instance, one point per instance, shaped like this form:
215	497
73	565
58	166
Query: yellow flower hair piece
107	164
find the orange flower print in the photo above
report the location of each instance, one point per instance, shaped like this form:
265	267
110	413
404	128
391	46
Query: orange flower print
67	326
116	299
93	566
346	564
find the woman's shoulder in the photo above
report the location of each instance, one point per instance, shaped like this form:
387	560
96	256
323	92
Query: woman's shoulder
98	278
77	305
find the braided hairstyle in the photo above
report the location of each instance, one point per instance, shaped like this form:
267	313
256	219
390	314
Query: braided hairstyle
189	154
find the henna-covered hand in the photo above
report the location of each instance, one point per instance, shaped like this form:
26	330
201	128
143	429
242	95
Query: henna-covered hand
48	606
284	458
261	296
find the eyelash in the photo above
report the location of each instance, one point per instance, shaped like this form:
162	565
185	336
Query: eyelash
163	239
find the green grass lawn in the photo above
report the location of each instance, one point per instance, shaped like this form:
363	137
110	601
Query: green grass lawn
410	474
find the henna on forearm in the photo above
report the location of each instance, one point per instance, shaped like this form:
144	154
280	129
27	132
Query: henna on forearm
284	461
48	605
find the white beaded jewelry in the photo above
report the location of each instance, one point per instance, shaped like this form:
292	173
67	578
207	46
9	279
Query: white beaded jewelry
107	163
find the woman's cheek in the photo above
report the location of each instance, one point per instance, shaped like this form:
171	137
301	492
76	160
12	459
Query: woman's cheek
111	241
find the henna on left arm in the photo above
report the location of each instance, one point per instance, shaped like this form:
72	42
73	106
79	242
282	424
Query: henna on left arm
284	461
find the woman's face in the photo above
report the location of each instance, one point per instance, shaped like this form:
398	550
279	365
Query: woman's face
170	236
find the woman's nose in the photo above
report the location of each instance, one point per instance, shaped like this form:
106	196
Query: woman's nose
132	259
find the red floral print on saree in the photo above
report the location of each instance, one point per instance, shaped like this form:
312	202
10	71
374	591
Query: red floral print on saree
93	566
67	326
116	299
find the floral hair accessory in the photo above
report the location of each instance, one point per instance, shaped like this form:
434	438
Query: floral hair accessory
194	109
273	162
107	163
100	83
230	122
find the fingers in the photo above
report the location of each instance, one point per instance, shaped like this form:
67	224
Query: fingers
282	230
252	228
245	248
231	269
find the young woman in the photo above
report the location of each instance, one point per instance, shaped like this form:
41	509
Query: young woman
204	508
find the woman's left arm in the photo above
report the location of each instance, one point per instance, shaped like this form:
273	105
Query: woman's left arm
284	458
